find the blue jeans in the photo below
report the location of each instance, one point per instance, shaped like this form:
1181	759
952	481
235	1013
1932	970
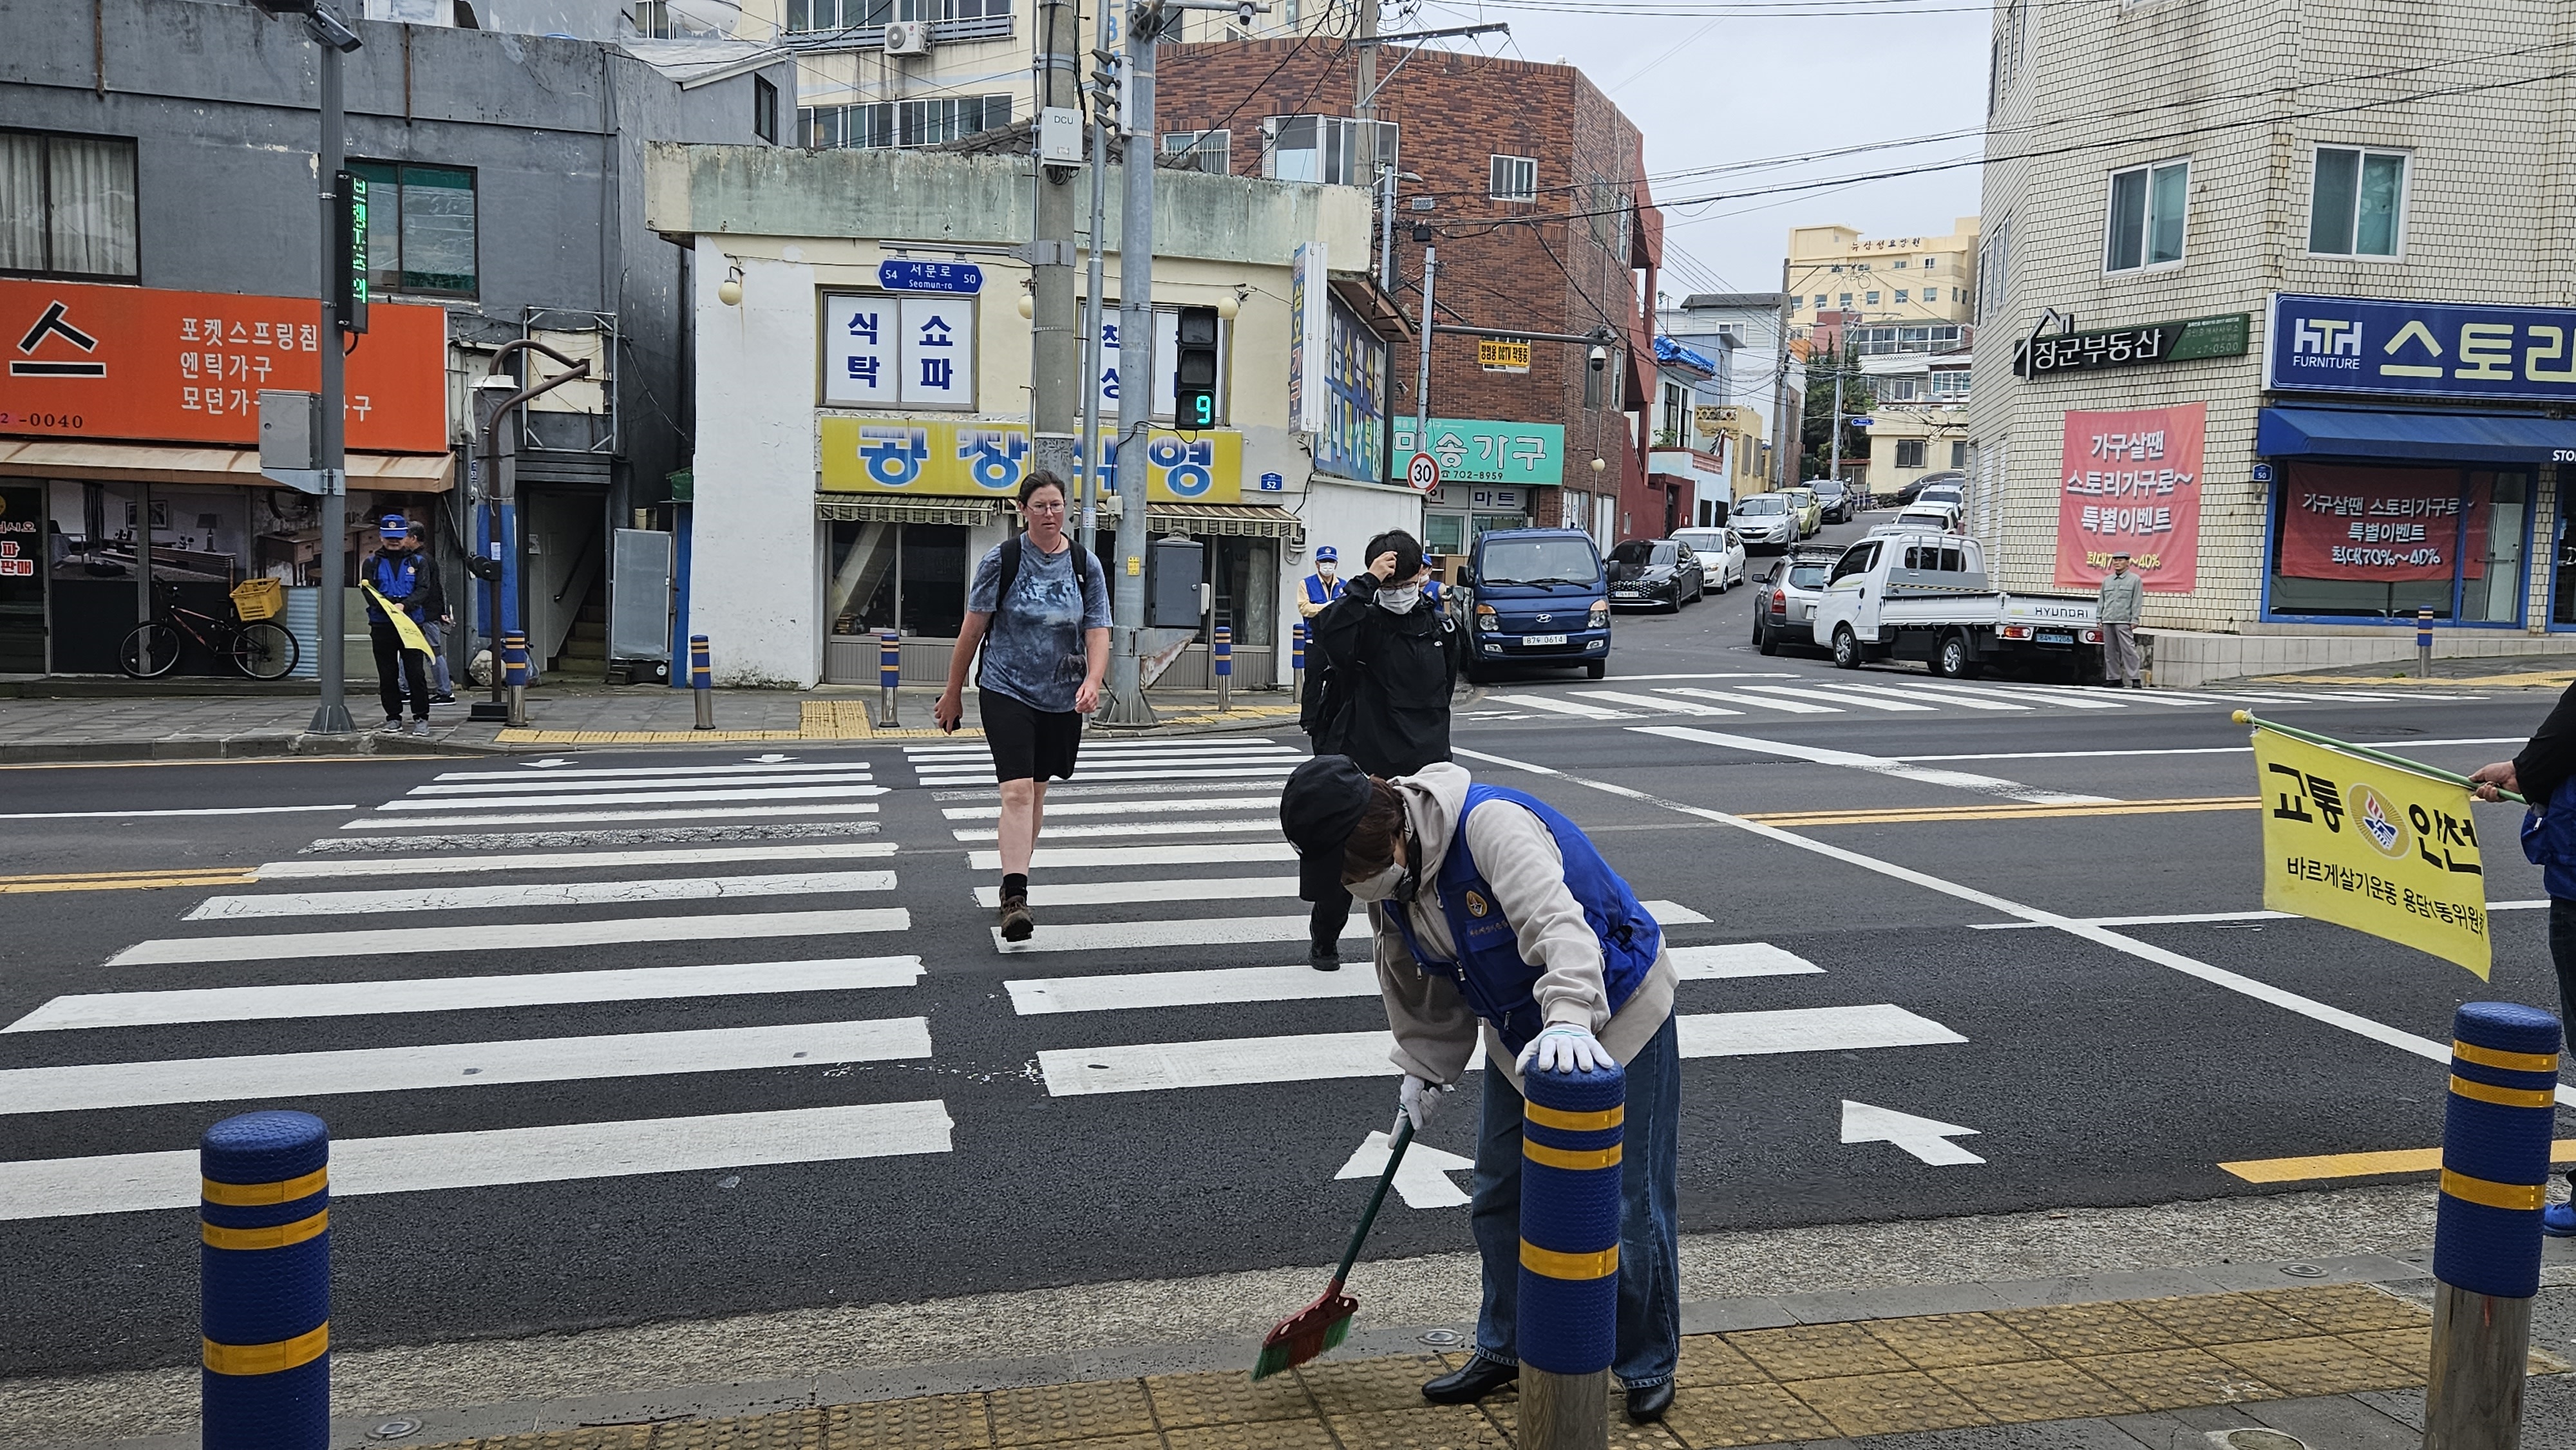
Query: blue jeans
1650	1288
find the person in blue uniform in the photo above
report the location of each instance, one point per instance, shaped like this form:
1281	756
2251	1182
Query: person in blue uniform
1323	584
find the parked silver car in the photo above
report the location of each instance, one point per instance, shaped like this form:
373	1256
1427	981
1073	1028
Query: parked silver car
1766	521
1784	605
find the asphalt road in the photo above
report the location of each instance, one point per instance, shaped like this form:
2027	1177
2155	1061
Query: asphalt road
885	1106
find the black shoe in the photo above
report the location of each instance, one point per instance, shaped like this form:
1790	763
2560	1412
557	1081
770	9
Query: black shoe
442	699
1480	1378
1324	956
1017	924
1648	1402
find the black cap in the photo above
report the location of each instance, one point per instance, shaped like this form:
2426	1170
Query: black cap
1320	806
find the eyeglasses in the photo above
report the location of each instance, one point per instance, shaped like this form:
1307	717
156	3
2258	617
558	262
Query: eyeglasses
1056	507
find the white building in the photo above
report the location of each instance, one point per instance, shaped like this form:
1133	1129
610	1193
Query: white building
858	442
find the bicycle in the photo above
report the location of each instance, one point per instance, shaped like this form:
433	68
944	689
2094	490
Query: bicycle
261	649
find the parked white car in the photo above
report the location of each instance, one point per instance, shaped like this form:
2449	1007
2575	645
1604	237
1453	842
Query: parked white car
1919	517
1766	521
1721	555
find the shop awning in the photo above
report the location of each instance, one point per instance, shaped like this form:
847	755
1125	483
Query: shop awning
863	508
2424	437
168	463
1243	520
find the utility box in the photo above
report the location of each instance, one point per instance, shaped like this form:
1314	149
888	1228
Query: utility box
290	429
639	607
1173	569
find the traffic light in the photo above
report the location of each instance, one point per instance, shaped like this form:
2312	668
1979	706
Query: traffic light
1194	369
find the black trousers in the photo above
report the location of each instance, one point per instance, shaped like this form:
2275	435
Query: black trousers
395	667
2562	955
1324	928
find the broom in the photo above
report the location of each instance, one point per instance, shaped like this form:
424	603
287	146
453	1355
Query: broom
1325	1323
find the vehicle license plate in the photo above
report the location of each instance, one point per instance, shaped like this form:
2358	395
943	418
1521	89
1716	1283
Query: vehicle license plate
1534	641
2055	636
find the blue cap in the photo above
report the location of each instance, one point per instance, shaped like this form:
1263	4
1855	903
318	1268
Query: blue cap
1325	555
392	526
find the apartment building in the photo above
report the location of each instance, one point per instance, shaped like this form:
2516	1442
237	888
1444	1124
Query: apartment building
1890	293
2298	339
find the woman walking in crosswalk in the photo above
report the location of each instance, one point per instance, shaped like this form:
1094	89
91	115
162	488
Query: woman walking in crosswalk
1496	910
1038	609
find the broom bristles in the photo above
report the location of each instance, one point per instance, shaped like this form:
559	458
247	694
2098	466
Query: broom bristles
1309	1332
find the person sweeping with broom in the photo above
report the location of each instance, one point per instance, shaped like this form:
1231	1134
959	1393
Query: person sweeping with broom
1497	917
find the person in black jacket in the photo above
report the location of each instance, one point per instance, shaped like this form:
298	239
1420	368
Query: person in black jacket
1391	660
2541	775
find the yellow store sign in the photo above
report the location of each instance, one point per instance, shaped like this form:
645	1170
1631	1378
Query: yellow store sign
933	458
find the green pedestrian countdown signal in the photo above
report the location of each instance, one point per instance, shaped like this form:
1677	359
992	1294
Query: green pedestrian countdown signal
1194	370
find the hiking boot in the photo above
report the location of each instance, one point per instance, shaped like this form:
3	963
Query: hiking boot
1324	956
1017	924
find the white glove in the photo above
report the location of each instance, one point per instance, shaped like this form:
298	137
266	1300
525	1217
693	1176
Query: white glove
1417	1100
1565	1047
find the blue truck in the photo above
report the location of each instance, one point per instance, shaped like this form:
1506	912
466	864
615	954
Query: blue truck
1536	597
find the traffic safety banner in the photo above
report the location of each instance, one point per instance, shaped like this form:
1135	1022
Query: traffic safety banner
2371	846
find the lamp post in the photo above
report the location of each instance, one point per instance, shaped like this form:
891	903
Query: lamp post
334	39
496	397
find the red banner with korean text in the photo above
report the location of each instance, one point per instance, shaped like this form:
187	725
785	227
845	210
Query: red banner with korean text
2131	481
2383	525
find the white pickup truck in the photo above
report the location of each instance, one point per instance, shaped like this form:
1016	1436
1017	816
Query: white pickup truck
1924	596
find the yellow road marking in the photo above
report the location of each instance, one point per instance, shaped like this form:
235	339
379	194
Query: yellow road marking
2361	1165
129	880
1900	814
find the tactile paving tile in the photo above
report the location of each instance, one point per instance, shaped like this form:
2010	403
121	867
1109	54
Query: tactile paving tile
2174	1379
1259	1435
1431	1427
1365	1386
1226	1396
1888	1404
1708	1417
1710	1360
928	1422
1942	1341
2207	1319
2318	1366
2082	1329
2348	1308
1817	1351
2048	1389
605	1437
2410	1349
784	1430
1042	1414
1106	1442
1506	1412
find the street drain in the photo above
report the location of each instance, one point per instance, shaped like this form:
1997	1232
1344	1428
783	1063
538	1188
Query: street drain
2253	1439
1443	1338
2303	1271
394	1430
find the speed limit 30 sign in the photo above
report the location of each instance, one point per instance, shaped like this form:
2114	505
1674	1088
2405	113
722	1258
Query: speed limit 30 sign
1423	472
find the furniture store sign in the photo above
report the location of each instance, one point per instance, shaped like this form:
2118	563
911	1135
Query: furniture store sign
2454	351
938	458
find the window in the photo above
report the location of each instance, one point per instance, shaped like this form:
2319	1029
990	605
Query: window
813	15
1335	150
1994	259
2358	204
1959	450
1900	264
1846	302
858	23
1909	453
420	229
1950	386
1208	151
1838	266
1820	299
1872	299
1854	561
1896	390
1514	178
2145	228
2004	58
1900	294
1880	341
1931	262
66	206
900	123
764	110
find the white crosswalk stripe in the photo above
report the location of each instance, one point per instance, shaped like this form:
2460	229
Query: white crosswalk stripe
1266	825
312	868
512	936
543	893
1891	692
1208	987
1757	702
1556	706
1057	808
1651	702
1819	693
575	818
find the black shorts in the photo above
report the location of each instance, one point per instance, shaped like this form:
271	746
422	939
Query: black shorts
1029	744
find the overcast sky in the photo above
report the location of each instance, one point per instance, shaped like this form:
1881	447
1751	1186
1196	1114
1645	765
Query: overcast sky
1710	87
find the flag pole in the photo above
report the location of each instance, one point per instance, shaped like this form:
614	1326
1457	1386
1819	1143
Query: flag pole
2246	717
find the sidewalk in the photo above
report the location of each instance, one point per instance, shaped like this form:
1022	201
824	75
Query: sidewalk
117	720
2449	672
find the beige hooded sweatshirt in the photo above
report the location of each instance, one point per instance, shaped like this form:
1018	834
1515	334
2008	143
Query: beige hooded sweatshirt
1435	1033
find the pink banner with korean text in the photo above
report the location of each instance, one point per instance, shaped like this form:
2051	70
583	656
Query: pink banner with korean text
2130	482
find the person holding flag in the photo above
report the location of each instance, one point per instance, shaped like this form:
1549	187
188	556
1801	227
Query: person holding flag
2545	775
401	590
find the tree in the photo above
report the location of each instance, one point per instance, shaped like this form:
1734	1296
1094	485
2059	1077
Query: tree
1860	395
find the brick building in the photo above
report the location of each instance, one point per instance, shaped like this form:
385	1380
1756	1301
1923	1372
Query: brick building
1531	186
2323	294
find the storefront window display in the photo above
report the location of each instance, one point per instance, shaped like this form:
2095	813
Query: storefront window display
2363	542
910	577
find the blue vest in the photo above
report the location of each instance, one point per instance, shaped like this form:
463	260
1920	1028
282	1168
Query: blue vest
1319	592
1490	973
1431	590
395	581
2549	841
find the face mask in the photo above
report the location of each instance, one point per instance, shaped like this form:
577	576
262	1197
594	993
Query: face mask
1396	600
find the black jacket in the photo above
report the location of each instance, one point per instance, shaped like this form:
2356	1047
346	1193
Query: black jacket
2550	756
1385	699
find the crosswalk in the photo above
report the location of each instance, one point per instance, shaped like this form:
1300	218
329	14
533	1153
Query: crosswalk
1780	695
563	923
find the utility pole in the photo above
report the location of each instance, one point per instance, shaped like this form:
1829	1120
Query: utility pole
1054	349
1126	704
1834	470
1104	103
1422	360
1780	382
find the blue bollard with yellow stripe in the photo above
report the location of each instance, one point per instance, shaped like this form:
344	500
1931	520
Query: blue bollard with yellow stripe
702	680
1569	1293
2486	1236
1297	650
1221	661
265	1270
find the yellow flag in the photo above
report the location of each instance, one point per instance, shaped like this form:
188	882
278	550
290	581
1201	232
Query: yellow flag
2372	847
409	632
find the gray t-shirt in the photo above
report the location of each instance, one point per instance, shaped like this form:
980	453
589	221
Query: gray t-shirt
1033	650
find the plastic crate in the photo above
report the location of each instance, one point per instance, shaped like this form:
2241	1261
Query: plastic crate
258	599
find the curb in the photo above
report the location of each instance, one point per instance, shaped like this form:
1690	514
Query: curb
248	746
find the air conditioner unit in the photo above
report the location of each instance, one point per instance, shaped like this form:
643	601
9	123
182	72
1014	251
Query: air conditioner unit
907	37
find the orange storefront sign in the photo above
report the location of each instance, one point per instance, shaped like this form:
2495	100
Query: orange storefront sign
146	364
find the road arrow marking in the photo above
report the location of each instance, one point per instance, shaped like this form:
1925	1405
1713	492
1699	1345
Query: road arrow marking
772	758
1925	1138
1423	1178
549	763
